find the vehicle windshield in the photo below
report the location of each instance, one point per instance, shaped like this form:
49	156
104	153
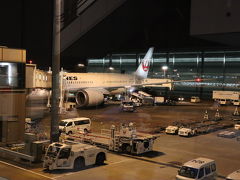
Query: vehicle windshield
62	123
53	151
128	103
188	172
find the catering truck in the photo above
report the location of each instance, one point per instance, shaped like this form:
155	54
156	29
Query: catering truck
72	156
227	97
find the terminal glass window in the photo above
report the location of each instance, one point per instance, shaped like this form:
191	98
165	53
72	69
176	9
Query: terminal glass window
95	65
232	73
214	66
12	75
185	66
115	62
128	63
159	60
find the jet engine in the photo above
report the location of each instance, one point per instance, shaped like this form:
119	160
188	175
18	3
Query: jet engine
89	97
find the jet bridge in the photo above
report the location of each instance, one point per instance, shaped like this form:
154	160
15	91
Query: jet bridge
83	18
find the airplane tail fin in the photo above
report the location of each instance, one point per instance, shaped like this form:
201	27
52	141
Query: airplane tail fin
143	68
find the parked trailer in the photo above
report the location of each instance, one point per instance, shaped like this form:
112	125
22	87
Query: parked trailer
161	100
126	140
225	97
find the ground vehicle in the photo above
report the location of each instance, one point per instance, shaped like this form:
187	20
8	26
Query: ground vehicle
136	101
126	139
200	168
187	131
181	98
69	156
73	125
29	124
128	106
159	100
223	101
234	175
172	130
237	126
236	102
226	97
195	99
227	134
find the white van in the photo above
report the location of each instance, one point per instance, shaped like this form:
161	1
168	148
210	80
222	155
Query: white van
237	126
195	99
234	176
70	126
200	168
236	102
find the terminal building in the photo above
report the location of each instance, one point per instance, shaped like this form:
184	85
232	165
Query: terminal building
12	95
209	70
17	81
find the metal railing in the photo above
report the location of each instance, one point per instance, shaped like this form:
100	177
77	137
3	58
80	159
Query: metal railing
17	154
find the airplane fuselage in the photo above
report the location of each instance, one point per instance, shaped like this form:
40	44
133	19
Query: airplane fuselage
74	81
89	89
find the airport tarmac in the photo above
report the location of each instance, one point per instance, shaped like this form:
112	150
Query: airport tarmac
149	119
170	151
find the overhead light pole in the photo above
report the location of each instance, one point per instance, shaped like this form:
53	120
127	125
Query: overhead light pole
164	68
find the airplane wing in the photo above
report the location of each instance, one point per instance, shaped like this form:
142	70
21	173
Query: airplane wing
165	82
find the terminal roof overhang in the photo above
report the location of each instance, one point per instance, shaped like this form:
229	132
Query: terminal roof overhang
133	27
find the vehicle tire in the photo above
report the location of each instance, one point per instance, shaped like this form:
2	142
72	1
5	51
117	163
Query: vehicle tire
195	133
128	149
100	158
79	163
85	131
69	133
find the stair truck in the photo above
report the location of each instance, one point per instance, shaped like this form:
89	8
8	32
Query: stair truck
126	139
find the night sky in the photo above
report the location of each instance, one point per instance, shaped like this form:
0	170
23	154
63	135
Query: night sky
133	27
27	24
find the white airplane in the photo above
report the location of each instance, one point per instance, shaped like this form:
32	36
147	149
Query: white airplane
89	89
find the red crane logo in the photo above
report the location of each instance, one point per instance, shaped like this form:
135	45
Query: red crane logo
145	65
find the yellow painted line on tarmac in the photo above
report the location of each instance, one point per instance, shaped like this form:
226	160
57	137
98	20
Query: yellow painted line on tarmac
26	170
56	177
67	174
120	162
